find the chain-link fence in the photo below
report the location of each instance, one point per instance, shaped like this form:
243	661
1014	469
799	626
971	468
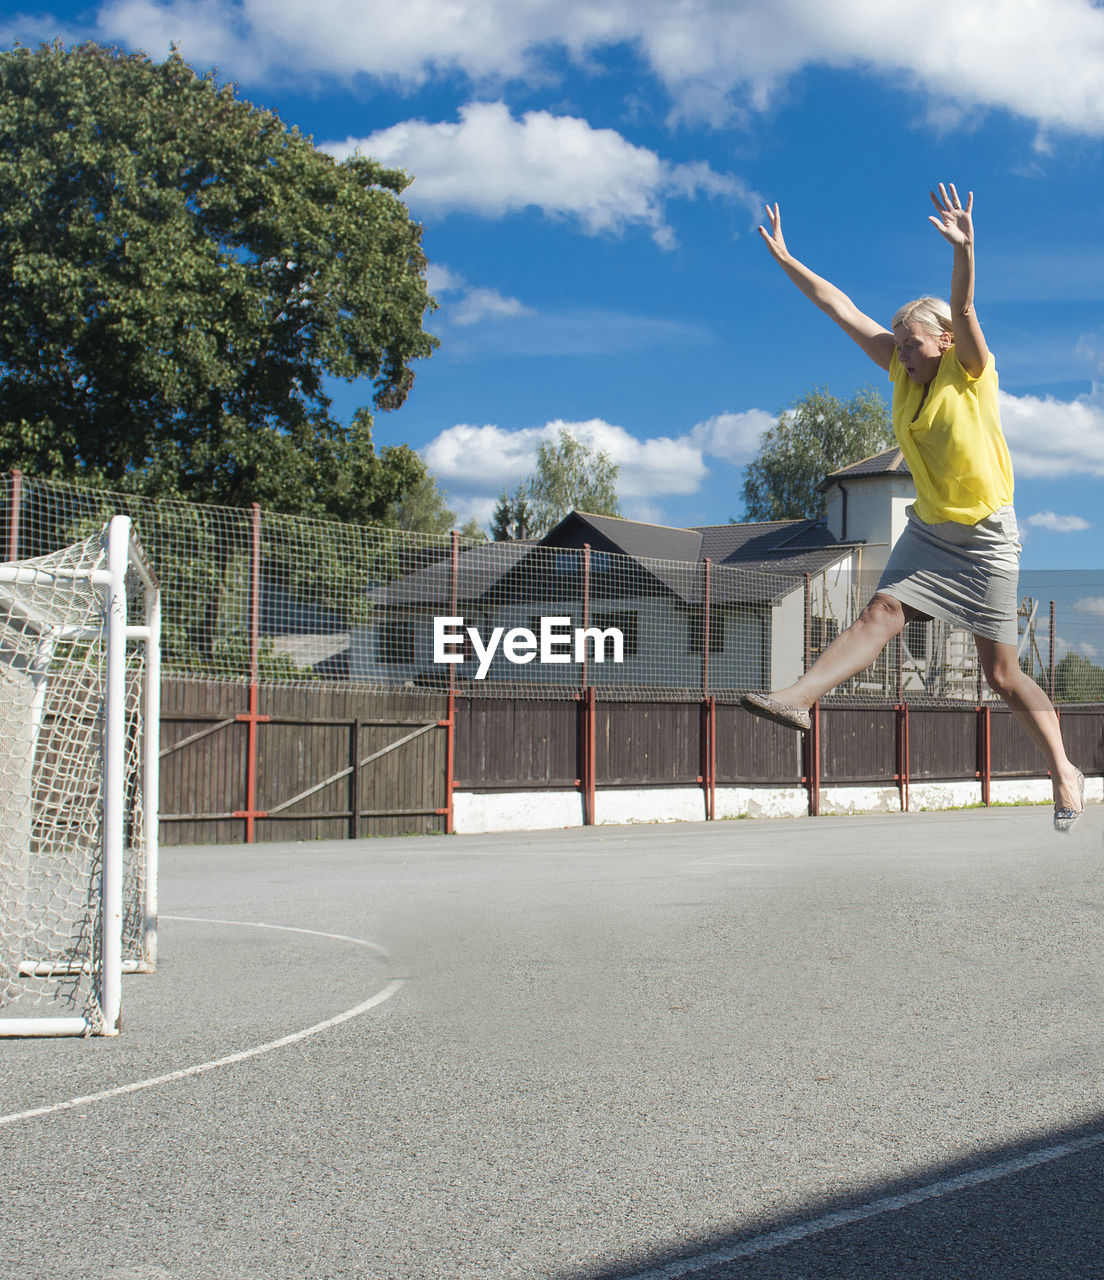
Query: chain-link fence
294	601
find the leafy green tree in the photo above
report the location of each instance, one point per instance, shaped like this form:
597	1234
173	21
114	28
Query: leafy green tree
1076	679
179	273
570	476
472	531
421	508
817	436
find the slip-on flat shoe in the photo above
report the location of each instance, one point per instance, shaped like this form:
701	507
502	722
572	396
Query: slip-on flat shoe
780	712
1064	819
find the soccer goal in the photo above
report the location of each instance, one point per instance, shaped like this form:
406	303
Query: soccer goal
79	710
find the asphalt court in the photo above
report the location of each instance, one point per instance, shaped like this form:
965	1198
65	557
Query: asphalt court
862	1046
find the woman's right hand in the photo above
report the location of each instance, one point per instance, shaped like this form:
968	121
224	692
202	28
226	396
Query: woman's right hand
775	243
872	337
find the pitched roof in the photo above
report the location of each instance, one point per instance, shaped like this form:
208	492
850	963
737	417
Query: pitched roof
888	462
629	537
792	547
479	568
784	549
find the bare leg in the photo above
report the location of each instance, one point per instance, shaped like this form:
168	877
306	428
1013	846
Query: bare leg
1033	709
849	653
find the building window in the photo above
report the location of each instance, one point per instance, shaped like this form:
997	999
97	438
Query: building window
395	642
628	623
695	629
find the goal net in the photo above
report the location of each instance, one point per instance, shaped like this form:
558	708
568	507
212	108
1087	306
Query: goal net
79	696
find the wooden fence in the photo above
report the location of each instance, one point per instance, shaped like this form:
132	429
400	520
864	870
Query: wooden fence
269	763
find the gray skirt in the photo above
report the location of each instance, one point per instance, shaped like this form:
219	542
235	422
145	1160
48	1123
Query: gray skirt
964	574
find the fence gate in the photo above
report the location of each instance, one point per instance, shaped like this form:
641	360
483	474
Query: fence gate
300	764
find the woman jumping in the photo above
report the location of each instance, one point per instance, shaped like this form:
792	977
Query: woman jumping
958	558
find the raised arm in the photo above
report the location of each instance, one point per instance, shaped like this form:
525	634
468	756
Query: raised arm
873	338
956	225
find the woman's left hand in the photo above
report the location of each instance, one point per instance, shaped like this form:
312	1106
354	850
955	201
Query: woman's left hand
955	223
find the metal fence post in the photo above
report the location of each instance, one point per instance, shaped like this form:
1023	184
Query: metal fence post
252	717
590	712
985	753
903	764
709	704
449	725
1050	667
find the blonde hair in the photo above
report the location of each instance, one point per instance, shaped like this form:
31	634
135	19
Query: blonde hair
931	314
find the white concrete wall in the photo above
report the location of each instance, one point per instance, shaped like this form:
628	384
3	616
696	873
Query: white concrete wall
540	810
787	640
876	507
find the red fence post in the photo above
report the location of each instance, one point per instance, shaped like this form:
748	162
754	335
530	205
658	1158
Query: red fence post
708	777
450	723
985	753
589	712
812	735
903	754
1050	668
449	726
812	759
585	666
253	717
591	776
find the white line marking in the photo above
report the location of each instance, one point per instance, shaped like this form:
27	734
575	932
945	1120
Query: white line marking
202	1068
889	1204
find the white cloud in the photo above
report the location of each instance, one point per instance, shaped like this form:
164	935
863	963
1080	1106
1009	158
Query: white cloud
1049	437
474	462
440	279
1090	604
467	458
732	436
475	304
488	304
491	164
1084	648
30	30
715	57
1058	524
209	32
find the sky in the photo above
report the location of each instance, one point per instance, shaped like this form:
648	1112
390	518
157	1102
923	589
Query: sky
590	175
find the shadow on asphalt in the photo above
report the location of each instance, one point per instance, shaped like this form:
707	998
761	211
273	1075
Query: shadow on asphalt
1042	1222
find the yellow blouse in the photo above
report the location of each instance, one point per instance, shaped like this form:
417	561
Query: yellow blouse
953	442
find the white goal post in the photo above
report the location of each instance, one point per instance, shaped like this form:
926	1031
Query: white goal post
79	713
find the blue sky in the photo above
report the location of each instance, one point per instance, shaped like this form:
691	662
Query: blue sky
590	176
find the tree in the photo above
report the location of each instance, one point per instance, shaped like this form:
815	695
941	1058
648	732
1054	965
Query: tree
1076	679
179	272
421	508
817	436
472	531
570	476
511	518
